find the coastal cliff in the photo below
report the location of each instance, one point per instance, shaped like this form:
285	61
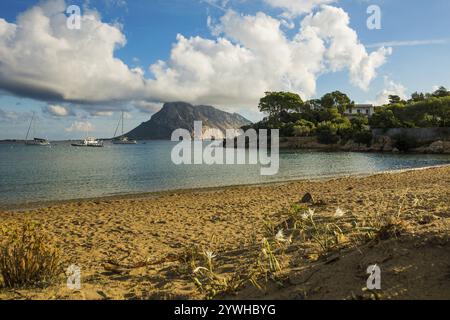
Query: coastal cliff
181	115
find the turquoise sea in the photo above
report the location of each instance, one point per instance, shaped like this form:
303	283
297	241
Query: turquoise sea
61	172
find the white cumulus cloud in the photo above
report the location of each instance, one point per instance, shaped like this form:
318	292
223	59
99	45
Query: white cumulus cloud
294	8
41	58
254	55
80	126
249	54
390	88
58	110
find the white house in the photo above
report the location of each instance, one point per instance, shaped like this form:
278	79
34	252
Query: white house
360	109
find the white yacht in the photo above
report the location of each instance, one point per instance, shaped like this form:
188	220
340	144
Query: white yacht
37	142
89	142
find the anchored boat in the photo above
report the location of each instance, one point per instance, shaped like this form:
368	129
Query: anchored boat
122	139
90	143
35	141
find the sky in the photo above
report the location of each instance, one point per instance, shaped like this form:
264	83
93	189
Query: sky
132	56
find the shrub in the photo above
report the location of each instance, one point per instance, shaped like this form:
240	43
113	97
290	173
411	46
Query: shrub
301	131
28	257
327	133
287	129
303	128
384	119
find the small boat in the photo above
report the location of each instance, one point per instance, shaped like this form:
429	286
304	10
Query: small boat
122	139
36	141
89	143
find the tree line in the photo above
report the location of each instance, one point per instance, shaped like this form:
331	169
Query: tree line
325	117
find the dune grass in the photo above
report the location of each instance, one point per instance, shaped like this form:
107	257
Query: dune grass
28	257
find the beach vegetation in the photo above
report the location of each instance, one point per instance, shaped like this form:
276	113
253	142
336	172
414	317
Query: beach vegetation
200	266
28	257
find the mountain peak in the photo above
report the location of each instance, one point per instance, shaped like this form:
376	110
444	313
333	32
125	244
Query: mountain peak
182	115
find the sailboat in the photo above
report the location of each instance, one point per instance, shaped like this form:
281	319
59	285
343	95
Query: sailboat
122	139
35	141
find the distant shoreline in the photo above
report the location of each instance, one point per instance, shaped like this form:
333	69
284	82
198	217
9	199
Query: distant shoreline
156	194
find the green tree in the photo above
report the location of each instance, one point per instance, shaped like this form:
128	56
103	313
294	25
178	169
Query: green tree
275	103
303	128
441	92
337	100
416	97
329	114
394	99
327	132
384	118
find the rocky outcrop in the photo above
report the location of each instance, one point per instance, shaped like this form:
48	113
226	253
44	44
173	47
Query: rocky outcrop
437	147
382	144
181	115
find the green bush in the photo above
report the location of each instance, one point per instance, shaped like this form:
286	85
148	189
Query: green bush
287	130
302	131
303	128
384	119
327	132
431	112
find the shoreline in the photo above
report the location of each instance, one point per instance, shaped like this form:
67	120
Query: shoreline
21	207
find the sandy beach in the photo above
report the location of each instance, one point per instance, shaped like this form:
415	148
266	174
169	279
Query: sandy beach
146	247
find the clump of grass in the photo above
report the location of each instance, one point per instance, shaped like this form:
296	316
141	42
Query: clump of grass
268	261
213	285
28	257
208	281
188	259
325	235
392	227
376	228
271	258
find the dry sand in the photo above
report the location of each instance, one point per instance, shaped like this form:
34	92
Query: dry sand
109	238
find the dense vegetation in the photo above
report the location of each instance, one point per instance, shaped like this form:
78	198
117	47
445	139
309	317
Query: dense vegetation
421	111
325	117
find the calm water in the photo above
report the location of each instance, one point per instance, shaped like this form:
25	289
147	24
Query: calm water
31	174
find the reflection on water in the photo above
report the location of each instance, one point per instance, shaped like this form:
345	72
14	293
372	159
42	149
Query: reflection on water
30	174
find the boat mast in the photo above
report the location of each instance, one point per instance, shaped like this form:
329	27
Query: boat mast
117	129
122	123
29	128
